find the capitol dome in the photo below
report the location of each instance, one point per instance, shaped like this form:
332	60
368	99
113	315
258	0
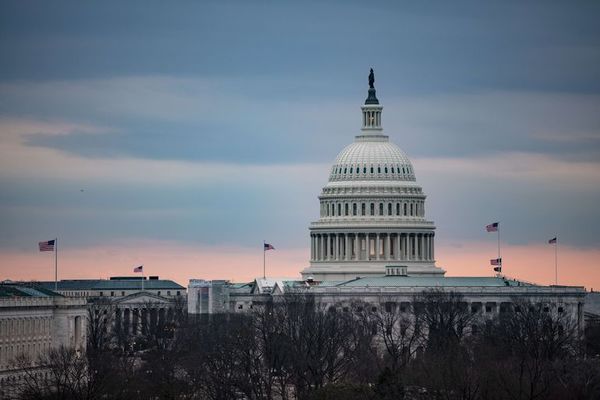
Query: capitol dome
369	159
372	211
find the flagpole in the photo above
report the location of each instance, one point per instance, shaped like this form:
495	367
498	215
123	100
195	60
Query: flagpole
142	278
556	261
264	258
56	264
499	257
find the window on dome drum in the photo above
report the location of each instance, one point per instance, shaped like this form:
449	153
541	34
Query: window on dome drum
411	209
350	169
354	209
378	170
385	170
397	208
363	208
372	170
372	208
346	209
380	208
389	208
405	209
364	170
339	209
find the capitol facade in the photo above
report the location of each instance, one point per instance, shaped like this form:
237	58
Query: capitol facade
372	210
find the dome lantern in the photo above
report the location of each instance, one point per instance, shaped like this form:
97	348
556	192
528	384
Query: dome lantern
371	110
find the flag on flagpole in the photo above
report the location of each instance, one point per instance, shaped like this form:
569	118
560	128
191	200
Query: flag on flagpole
47	245
496	261
492	227
139	269
268	247
498	269
552	241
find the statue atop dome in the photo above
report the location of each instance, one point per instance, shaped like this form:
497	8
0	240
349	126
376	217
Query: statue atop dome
372	98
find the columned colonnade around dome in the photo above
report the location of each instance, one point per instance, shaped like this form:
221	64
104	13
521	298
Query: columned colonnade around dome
372	246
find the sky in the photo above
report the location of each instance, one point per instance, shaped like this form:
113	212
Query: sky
181	135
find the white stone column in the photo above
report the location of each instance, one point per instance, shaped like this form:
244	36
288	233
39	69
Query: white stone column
377	248
347	248
387	246
334	241
367	246
429	247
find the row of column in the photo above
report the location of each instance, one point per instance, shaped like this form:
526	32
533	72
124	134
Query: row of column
372	246
371	118
136	320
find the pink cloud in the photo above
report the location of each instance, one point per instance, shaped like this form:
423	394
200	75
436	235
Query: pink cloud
180	263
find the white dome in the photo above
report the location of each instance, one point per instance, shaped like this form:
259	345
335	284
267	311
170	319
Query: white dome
372	159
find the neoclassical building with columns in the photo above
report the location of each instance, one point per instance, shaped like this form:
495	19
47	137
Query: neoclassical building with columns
372	210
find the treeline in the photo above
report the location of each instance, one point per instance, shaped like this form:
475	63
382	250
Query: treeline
435	347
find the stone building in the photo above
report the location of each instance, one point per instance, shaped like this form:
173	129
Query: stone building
372	243
33	320
134	303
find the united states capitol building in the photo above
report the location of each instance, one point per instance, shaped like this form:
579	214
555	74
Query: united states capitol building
373	243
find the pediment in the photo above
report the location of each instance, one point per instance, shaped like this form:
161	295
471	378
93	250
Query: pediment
142	298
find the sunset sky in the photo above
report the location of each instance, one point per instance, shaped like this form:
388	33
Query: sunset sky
180	135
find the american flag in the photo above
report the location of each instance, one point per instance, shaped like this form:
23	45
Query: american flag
498	269
268	247
139	269
552	241
496	261
492	227
46	246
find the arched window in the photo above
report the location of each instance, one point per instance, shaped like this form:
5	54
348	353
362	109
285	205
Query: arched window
380	208
339	210
411	209
364	170
385	170
372	208
354	209
378	170
345	170
397	208
346	209
404	209
350	169
389	208
392	170
371	169
328	209
363	208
